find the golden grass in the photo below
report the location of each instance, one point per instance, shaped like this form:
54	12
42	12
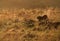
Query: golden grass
13	28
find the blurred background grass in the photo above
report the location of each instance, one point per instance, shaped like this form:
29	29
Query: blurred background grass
29	3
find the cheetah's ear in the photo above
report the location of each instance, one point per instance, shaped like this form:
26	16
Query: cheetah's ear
45	17
39	17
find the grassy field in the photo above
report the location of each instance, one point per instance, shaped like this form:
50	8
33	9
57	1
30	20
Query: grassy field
30	24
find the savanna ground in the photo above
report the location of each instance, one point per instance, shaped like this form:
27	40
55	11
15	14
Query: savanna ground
23	25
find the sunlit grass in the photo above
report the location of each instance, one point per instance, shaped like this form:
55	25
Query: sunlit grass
23	25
